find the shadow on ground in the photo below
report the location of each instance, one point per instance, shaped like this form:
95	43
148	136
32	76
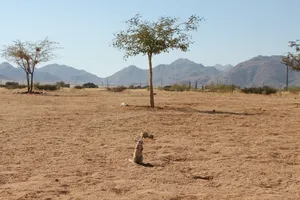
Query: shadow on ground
146	165
192	110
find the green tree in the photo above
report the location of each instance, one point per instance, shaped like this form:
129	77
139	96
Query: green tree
292	60
152	38
28	55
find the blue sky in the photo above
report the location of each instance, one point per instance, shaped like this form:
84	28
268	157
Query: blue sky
235	30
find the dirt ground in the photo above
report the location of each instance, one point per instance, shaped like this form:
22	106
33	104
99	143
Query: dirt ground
76	145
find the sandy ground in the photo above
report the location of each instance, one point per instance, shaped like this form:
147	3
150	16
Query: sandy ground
76	145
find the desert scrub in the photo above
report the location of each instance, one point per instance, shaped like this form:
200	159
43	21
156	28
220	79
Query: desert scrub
259	90
62	84
294	89
78	87
47	87
221	88
116	89
89	85
13	85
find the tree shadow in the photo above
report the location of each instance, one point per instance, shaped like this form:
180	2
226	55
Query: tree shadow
193	110
214	112
146	164
207	178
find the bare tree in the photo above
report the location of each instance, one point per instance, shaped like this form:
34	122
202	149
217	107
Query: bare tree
28	55
153	38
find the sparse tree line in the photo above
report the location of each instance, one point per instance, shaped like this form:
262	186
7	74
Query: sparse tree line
49	87
140	38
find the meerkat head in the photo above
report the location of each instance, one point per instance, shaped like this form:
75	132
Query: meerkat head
144	135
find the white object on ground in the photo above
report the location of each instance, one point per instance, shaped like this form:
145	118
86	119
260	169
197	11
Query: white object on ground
124	104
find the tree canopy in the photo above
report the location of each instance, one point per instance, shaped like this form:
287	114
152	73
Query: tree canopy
293	59
153	38
29	54
144	37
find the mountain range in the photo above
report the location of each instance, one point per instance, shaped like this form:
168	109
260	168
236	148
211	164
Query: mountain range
257	71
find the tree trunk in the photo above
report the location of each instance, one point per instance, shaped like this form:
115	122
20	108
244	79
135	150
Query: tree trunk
287	78
31	82
27	78
150	81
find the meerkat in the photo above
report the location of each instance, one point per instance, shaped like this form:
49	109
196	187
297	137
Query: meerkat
138	152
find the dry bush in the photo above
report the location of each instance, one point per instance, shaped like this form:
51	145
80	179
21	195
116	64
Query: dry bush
116	89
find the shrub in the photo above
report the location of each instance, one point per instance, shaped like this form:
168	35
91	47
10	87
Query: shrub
132	87
145	87
221	87
62	84
116	89
294	89
89	85
180	88
78	87
47	87
166	88
13	85
176	87
259	90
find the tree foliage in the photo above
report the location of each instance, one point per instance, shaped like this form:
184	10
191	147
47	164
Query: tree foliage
293	59
145	37
28	55
152	38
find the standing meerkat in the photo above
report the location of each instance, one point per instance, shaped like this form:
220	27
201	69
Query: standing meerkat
138	152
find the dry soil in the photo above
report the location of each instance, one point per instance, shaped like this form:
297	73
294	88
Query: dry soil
76	145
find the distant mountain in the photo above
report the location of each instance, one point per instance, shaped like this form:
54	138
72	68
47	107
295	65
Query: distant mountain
257	71
184	70
129	75
260	70
45	77
179	71
48	74
70	74
4	78
224	68
12	73
5	65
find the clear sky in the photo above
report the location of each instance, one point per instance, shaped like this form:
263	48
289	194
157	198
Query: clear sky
235	30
